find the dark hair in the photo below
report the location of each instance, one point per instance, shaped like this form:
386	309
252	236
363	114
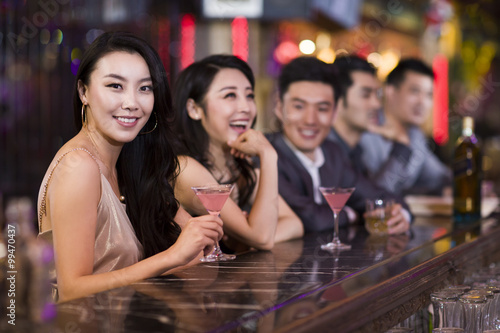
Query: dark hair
194	82
147	166
344	67
397	75
307	69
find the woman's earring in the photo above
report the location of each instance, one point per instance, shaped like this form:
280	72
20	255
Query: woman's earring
84	116
156	124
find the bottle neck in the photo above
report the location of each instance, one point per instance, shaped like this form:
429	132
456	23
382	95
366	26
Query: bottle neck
467	132
468	126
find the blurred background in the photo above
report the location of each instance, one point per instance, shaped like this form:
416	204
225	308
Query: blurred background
42	41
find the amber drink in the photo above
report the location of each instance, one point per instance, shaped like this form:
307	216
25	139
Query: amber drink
378	212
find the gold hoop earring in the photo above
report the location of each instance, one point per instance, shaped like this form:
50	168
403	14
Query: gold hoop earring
84	116
156	124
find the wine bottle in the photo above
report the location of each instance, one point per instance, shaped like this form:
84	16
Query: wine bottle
467	174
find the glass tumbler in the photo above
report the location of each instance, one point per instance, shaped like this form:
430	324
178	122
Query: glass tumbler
494	309
378	212
444	304
472	312
490	310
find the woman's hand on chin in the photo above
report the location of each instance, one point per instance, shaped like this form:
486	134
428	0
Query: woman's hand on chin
250	143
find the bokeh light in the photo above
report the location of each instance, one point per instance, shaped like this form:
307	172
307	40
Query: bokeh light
327	55
323	41
74	66
375	59
307	46
389	60
76	53
57	36
285	52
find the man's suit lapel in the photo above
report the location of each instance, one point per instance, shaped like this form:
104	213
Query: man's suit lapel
327	171
305	177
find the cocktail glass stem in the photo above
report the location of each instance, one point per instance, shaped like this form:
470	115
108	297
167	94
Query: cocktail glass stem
336	239
335	244
217	251
217	254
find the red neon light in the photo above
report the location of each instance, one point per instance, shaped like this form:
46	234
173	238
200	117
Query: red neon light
440	117
188	29
239	36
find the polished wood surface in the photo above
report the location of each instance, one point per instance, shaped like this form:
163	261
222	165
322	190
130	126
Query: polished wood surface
296	286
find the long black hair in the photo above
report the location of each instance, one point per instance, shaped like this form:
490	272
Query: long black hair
147	166
194	82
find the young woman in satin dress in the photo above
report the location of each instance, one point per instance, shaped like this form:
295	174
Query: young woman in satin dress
105	203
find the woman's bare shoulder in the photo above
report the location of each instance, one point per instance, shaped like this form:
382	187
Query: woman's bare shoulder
76	160
188	161
73	179
189	165
192	173
73	164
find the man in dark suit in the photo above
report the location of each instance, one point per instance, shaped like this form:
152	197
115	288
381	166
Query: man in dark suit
306	107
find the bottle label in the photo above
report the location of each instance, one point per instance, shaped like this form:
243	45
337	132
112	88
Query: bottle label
464	165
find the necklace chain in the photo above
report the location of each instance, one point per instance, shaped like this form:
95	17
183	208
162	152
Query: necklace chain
85	131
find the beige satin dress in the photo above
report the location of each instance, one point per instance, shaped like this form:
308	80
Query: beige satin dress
116	245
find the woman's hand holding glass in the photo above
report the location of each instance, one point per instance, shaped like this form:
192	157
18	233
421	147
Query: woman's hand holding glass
199	234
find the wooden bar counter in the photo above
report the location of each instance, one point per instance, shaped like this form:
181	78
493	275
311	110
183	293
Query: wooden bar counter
296	287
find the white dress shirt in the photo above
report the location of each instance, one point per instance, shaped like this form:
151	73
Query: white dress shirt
312	166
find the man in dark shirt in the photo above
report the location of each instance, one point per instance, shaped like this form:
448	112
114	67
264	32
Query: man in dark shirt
357	107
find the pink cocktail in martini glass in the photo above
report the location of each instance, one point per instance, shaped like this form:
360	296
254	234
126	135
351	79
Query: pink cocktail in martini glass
336	198
213	198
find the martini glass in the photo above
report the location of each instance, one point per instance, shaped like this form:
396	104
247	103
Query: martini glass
336	198
213	198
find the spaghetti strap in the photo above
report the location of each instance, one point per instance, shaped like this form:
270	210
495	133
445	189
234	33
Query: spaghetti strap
43	206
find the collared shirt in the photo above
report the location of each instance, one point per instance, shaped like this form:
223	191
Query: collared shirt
312	167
